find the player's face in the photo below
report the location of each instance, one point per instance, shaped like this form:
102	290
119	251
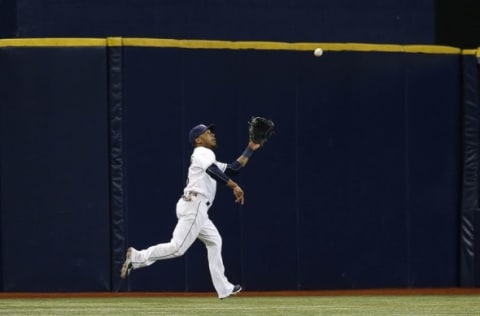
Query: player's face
207	139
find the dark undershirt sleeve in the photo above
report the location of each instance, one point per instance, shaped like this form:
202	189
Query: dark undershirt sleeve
215	172
233	168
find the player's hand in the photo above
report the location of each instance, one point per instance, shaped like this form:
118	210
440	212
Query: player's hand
239	195
253	146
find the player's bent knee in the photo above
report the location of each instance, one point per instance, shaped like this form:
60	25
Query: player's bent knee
216	242
176	250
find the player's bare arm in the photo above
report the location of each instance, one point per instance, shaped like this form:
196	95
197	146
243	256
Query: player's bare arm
237	191
234	167
219	176
247	153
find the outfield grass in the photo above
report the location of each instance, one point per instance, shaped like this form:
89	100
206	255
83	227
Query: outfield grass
261	306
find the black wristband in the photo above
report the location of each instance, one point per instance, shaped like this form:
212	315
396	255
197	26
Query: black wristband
247	152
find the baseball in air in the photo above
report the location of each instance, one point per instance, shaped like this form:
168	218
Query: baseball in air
318	52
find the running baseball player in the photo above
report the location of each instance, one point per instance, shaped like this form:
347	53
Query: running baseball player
192	208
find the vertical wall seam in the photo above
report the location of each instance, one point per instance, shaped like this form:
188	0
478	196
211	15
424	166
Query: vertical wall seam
117	162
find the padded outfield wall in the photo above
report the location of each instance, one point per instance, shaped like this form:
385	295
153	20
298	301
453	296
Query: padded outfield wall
359	188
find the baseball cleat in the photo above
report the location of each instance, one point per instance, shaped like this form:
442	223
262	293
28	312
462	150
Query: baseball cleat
127	266
236	289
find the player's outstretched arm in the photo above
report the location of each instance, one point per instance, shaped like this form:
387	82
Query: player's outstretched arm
247	153
234	167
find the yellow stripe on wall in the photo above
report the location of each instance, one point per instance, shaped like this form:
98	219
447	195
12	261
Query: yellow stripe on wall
238	45
234	45
469	52
52	42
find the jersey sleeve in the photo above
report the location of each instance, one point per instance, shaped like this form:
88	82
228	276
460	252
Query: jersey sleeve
203	158
222	166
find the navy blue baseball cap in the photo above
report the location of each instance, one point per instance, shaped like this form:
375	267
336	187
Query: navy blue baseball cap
199	130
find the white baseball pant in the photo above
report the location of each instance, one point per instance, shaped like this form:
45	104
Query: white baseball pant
193	223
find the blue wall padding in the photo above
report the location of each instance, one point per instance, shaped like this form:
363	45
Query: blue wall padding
358	188
54	169
469	218
116	163
434	174
155	164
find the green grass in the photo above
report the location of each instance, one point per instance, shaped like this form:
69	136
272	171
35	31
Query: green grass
252	306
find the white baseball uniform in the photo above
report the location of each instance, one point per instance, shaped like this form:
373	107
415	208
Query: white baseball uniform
193	222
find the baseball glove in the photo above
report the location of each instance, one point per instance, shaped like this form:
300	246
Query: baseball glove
260	129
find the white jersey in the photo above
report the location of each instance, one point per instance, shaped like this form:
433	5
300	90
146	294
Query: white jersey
198	180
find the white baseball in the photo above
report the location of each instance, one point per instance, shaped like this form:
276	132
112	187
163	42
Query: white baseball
318	52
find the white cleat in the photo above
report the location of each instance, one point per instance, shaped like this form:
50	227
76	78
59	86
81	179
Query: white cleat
236	289
127	266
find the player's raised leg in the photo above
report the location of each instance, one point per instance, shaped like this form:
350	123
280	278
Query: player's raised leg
191	217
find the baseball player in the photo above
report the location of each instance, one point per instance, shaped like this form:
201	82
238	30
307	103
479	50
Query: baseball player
192	208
